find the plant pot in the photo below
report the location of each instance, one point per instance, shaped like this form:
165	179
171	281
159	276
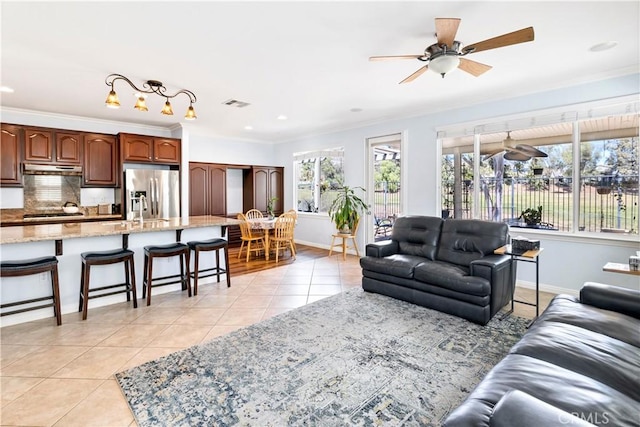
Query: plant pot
538	171
603	190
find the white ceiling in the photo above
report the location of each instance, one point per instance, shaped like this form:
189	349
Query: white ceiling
306	60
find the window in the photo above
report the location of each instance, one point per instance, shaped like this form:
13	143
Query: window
514	179
319	175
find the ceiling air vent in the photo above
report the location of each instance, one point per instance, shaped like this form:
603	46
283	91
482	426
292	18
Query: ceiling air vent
235	103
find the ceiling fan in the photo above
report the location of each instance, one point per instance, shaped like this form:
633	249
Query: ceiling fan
446	55
514	151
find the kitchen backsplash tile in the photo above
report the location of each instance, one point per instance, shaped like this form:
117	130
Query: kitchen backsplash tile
50	192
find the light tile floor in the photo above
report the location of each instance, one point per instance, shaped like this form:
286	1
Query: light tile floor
63	375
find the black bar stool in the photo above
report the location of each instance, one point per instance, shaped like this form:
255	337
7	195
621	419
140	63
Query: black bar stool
106	258
164	251
216	244
27	268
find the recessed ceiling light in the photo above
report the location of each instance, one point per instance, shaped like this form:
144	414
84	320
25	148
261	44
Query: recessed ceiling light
603	46
282	117
248	127
6	89
356	110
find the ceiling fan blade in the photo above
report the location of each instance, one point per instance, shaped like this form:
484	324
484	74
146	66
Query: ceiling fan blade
446	29
517	156
472	67
415	75
384	58
530	151
520	36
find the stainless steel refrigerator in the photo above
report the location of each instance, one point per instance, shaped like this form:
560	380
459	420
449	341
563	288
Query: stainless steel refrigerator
154	192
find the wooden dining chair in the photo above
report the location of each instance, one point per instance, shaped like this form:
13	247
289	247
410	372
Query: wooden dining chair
345	238
294	213
255	214
249	236
282	238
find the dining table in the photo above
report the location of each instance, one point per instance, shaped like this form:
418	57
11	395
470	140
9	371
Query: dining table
266	225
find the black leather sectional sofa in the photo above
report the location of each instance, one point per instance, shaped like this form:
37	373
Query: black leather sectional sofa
447	265
578	365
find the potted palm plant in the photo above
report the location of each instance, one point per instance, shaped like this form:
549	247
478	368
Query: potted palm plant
346	209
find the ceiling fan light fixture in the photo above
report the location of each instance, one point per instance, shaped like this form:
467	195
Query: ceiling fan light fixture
444	64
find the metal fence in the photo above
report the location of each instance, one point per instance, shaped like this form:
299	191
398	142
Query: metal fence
606	203
386	202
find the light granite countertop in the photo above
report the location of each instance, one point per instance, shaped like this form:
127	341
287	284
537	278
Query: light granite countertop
71	230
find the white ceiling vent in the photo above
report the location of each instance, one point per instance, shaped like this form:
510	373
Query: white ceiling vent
235	103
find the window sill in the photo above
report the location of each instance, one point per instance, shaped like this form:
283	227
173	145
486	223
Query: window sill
631	240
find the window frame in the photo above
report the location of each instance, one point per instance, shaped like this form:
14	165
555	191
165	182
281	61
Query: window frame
316	157
575	114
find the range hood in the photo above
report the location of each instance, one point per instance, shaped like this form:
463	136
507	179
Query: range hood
35	169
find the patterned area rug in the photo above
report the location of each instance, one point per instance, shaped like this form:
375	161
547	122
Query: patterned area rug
352	359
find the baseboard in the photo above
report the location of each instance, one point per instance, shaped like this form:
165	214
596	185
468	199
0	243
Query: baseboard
548	288
320	246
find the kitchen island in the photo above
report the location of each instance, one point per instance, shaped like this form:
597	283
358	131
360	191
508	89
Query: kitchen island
68	240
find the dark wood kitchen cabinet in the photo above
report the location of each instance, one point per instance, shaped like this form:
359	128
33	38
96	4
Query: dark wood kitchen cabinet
68	149
262	183
10	146
148	149
101	163
207	189
50	146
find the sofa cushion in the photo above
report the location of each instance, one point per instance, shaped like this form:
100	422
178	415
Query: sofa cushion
463	241
395	265
451	276
585	352
417	235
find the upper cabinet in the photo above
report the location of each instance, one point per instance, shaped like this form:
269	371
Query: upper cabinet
101	163
49	146
147	149
10	146
262	183
207	189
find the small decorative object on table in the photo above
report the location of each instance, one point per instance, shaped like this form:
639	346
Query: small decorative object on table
523	244
271	207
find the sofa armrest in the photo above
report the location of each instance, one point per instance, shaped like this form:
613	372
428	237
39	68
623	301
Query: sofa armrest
382	249
517	408
614	298
484	266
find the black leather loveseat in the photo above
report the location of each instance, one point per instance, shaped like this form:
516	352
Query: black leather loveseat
447	265
579	364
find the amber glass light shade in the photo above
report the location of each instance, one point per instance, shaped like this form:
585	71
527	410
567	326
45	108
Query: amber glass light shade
191	113
167	109
141	104
112	100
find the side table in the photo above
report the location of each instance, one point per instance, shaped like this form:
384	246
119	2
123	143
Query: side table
531	256
614	267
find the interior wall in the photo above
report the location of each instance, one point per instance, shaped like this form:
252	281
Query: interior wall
422	157
234	191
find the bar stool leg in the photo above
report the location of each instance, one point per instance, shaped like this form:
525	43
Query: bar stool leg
56	294
149	276
196	271
218	265
81	297
226	266
126	279
133	281
85	290
187	277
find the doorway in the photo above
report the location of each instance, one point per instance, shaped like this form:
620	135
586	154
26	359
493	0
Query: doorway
384	184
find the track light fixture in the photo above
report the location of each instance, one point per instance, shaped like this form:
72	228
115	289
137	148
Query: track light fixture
150	86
